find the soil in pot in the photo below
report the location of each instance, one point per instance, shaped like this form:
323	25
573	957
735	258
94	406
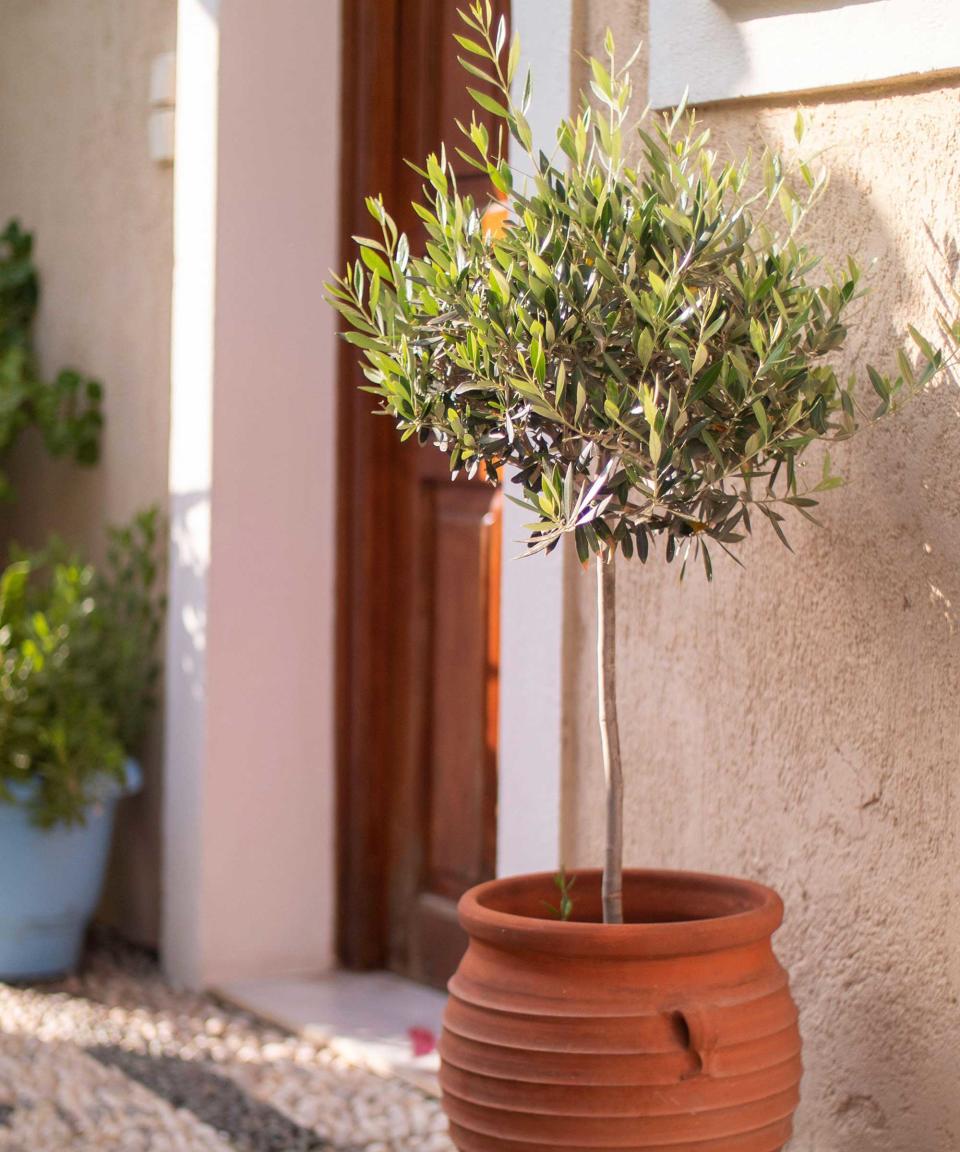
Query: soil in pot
674	1032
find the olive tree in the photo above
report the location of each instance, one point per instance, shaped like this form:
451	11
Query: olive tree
645	346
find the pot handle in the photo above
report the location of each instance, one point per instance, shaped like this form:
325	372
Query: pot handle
700	1028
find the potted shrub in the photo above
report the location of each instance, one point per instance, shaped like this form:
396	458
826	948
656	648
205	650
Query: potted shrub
77	676
649	356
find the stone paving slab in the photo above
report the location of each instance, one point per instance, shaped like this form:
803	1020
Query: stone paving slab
115	1060
375	1019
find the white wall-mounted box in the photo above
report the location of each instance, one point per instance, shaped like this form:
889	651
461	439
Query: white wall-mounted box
729	49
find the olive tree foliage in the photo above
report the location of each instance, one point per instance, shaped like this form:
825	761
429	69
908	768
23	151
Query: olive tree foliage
648	343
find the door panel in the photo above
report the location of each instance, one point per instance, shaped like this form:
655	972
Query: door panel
419	573
464	526
462	559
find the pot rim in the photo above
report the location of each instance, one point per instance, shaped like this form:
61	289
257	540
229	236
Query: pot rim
760	916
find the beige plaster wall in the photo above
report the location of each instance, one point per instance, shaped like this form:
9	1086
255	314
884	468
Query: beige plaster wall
74	167
798	721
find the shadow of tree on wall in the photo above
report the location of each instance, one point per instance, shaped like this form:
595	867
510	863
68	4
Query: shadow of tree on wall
889	567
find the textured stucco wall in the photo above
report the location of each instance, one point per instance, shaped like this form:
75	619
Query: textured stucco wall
798	721
74	167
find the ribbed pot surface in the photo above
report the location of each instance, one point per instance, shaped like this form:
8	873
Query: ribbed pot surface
674	1032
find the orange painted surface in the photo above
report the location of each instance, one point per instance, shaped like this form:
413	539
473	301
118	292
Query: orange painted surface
494	219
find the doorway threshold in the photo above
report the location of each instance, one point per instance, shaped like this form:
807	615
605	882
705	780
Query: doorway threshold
374	1019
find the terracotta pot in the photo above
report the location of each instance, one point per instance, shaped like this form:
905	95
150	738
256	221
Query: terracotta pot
674	1032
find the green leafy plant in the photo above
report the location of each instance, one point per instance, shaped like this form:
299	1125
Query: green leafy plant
132	605
78	670
66	410
563	910
647	344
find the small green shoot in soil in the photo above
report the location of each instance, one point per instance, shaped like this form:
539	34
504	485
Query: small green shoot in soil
564	885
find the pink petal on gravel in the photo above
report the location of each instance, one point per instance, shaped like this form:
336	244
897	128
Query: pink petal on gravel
422	1040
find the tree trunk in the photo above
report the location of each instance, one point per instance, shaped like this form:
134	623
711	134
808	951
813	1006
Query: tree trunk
610	737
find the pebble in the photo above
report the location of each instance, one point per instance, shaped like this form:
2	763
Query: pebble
116	1060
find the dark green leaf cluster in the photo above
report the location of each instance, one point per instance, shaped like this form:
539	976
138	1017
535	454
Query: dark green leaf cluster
78	670
649	346
66	410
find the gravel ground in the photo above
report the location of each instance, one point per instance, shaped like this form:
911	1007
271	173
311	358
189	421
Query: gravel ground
115	1060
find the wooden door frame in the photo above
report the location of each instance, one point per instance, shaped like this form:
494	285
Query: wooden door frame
530	752
367	454
378	732
381	731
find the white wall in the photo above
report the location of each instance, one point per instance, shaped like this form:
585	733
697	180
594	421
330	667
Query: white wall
250	862
191	473
531	631
720	49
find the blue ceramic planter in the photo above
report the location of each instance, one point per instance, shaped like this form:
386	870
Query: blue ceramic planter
51	883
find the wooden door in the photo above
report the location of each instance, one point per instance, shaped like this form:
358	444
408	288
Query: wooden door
418	593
